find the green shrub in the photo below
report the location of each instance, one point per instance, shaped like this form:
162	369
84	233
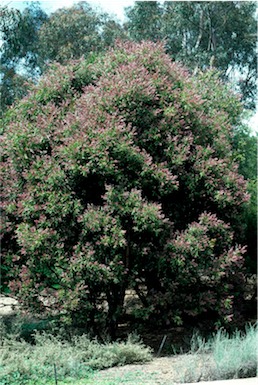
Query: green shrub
23	363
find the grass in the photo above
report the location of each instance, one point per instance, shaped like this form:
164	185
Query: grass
136	377
220	358
235	357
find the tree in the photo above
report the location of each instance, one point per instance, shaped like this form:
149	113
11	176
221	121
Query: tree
203	35
119	173
145	21
19	50
71	33
32	40
20	37
13	87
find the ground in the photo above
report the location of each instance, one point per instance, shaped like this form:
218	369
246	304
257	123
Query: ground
160	371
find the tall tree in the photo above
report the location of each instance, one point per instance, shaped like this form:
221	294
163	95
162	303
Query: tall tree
31	40
145	21
71	33
19	33
203	35
19	50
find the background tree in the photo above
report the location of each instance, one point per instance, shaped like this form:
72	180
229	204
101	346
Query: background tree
13	87
71	33
32	40
19	50
145	21
202	35
118	172
19	32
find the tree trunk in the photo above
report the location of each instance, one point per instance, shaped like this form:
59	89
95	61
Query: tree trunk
115	299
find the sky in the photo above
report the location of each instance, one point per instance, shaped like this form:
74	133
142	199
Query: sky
114	7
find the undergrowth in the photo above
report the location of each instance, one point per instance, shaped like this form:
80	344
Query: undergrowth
22	362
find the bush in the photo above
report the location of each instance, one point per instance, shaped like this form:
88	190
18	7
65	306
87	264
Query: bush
24	363
119	173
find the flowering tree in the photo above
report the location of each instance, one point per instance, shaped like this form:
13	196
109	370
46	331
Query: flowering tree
118	173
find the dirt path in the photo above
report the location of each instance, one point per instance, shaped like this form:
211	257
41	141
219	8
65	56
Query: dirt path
160	371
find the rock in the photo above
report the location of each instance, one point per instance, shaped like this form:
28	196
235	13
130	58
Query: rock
8	306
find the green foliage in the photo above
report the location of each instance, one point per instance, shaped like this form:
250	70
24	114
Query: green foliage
202	35
245	152
19	35
119	173
145	21
19	50
32	40
13	87
250	216
71	33
75	359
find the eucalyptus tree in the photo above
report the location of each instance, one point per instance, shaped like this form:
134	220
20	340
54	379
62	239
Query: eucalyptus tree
203	35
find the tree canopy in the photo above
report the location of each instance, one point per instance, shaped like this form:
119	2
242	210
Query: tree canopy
71	33
118	173
19	51
202	35
32	40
